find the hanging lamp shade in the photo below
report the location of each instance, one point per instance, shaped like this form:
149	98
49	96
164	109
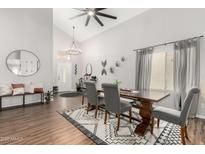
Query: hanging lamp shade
74	50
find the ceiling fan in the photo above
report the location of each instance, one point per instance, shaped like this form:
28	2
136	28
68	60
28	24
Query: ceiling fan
93	12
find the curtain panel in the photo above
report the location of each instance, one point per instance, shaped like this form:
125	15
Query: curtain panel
143	69
186	72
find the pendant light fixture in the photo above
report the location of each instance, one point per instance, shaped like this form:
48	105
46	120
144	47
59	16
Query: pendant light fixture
74	50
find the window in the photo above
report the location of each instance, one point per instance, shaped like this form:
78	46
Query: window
162	68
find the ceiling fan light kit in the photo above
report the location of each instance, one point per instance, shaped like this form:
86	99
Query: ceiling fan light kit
93	12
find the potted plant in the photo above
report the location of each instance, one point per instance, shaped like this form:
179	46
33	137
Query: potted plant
117	82
49	96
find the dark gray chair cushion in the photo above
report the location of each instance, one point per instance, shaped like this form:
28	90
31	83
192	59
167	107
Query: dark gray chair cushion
92	95
167	114
124	105
113	102
175	116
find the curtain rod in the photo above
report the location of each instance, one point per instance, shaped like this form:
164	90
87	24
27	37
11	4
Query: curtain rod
167	43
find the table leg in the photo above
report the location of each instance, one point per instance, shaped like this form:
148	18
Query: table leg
83	97
145	113
23	100
0	103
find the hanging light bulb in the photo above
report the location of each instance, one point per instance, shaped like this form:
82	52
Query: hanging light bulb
68	57
74	50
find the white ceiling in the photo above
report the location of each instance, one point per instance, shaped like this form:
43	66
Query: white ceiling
61	20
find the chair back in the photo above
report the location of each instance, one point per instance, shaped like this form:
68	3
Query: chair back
187	104
91	92
112	97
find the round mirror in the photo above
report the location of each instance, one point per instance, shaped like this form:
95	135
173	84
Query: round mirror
89	69
23	63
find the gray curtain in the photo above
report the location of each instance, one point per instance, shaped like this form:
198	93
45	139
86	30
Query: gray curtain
186	71
143	69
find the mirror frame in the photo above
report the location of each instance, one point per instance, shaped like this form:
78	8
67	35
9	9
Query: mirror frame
39	64
89	65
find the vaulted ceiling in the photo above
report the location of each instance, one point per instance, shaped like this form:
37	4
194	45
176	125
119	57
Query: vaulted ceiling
61	20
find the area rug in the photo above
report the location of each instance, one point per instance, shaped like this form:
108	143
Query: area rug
71	94
103	134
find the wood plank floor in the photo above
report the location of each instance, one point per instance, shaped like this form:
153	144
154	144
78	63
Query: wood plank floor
41	124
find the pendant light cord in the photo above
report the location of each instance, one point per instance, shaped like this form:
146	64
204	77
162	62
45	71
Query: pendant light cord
73	34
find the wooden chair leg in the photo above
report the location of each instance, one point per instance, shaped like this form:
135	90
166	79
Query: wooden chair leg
182	131
96	111
186	133
152	125
118	121
158	121
83	99
88	107
105	120
130	115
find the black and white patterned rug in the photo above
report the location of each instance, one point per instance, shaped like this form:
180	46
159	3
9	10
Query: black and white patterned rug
100	133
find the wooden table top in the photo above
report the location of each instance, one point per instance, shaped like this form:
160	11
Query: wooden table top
148	95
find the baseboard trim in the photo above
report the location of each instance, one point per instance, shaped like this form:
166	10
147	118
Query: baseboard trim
200	116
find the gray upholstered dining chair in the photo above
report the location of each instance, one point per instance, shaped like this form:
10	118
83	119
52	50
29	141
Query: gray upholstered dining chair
174	116
93	97
114	104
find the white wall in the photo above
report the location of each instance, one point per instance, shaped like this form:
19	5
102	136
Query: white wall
152	27
62	42
29	29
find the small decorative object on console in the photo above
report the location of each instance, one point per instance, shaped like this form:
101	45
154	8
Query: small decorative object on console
93	78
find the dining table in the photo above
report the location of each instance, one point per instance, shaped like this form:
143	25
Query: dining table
146	99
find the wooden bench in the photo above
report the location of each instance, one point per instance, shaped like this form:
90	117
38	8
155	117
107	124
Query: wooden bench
23	95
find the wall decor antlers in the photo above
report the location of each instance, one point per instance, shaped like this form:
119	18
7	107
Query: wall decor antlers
123	59
111	70
117	64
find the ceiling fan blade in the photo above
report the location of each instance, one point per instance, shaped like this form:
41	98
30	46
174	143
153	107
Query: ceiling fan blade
80	9
99	9
105	15
79	15
87	20
98	20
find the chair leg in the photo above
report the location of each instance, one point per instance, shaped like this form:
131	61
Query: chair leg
130	115
83	99
158	121
105	120
152	125
182	131
88	107
118	121
96	111
186	133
